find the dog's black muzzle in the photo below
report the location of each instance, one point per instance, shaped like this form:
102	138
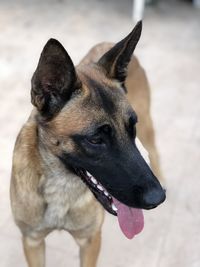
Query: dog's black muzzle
127	177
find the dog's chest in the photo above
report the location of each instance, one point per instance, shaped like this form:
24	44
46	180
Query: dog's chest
61	194
57	199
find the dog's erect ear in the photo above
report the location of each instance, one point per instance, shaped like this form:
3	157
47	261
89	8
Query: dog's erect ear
54	80
115	61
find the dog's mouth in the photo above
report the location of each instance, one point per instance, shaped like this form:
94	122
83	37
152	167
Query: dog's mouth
131	220
98	190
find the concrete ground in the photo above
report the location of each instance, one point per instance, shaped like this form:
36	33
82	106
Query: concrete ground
170	52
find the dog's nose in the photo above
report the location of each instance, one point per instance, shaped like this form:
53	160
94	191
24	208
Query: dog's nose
153	198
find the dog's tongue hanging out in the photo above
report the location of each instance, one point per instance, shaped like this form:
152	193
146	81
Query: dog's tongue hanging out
131	220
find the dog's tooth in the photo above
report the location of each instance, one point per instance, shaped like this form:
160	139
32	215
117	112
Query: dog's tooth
100	187
113	207
88	174
93	180
105	193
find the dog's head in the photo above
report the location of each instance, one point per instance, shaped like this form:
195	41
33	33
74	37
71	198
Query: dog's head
87	122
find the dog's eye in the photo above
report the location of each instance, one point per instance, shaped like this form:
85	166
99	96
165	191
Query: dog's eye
95	140
133	120
101	135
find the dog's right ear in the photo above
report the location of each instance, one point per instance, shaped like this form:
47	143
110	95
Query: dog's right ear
54	80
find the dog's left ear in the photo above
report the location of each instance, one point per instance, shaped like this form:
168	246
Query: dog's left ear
54	80
116	60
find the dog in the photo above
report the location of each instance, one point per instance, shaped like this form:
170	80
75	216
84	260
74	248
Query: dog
76	156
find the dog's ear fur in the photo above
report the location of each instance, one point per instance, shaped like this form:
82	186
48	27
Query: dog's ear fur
54	80
115	61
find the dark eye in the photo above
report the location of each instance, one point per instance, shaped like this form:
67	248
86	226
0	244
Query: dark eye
95	140
101	136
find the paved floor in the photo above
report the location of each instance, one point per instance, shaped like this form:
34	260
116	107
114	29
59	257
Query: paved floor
170	52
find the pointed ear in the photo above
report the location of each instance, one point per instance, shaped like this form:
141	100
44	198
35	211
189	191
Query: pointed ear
116	60
54	80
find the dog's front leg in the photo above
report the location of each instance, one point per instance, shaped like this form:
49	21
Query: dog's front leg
34	250
89	250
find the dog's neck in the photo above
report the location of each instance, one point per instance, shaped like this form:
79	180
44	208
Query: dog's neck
62	190
58	176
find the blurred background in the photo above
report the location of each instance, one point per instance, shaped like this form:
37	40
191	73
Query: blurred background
169	50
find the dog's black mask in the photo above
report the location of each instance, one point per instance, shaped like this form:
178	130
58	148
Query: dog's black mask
122	171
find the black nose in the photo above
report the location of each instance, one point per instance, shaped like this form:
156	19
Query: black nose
153	198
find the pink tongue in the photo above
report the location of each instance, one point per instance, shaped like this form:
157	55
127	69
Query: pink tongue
131	220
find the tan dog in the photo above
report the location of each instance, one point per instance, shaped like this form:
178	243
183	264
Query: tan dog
76	154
